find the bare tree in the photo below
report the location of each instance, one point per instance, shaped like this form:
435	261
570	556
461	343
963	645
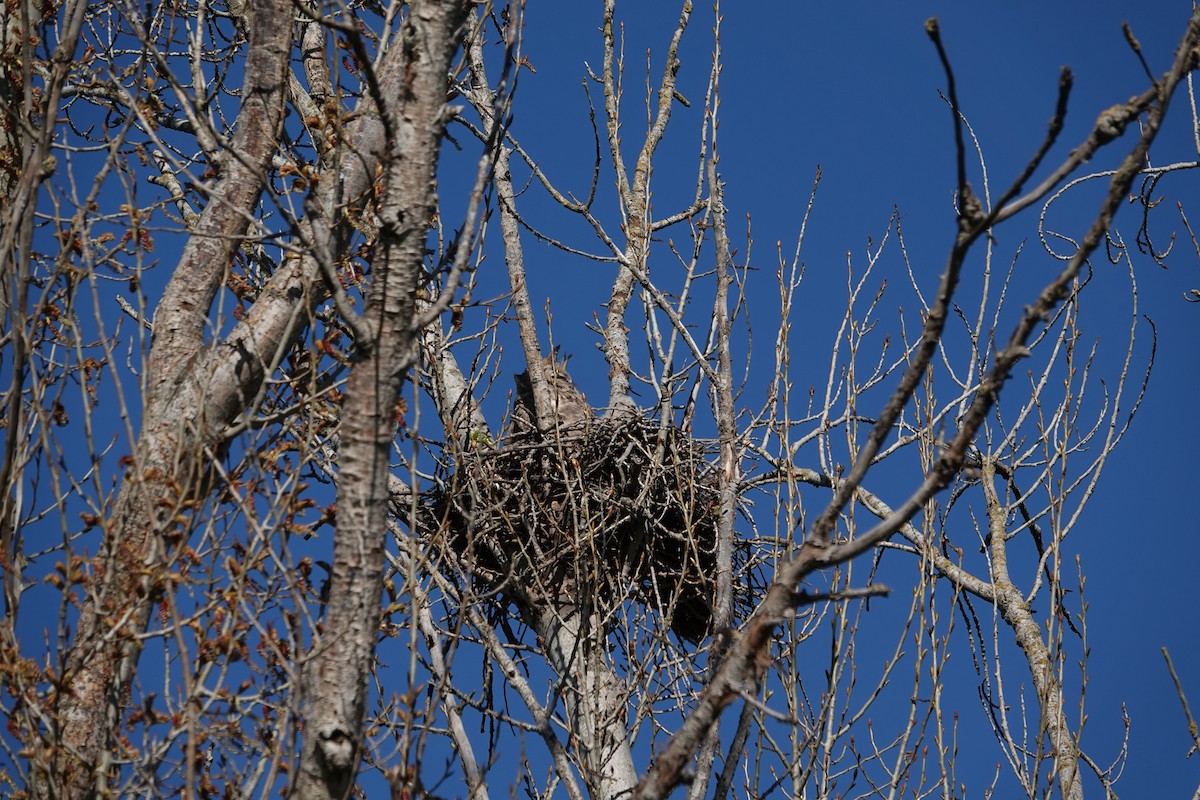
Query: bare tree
321	532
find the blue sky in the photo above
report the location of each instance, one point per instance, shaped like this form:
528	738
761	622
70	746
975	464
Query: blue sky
853	87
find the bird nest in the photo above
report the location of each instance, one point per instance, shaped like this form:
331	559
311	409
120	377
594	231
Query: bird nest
600	514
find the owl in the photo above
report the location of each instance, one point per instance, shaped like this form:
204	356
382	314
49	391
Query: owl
570	407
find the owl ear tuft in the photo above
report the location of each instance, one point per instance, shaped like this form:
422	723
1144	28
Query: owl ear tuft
552	360
569	407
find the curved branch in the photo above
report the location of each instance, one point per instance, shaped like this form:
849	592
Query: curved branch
749	657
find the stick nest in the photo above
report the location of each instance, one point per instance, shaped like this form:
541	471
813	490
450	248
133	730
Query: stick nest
600	513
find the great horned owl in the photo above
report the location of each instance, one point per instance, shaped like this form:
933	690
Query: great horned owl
569	406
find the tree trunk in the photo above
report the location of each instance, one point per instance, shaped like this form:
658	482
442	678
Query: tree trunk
335	679
179	430
594	697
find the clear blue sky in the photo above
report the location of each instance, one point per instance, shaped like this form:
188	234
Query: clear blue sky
853	87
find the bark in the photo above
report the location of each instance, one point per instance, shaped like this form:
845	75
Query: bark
460	414
750	656
573	640
26	162
141	534
14	54
335	677
729	473
483	100
635	201
593	695
198	393
1017	612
